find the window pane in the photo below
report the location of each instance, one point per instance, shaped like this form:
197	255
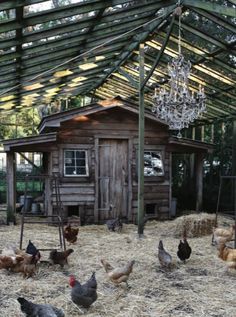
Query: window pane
69	154
80	154
80	163
153	165
70	171
81	171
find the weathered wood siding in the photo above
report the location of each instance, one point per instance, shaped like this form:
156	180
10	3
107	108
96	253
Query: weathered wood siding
81	132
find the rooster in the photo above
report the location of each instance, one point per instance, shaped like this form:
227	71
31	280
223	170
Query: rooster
84	294
60	258
184	249
70	233
118	275
164	257
39	310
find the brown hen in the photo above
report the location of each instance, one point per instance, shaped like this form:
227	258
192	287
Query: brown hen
70	233
118	275
60	258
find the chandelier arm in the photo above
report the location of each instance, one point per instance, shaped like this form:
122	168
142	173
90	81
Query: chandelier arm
160	53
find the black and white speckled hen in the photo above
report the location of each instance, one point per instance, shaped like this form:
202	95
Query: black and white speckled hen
84	294
184	249
39	310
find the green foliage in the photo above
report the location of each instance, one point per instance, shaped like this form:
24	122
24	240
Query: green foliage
19	125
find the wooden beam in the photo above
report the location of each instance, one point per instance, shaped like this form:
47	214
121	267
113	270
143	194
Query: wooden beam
11	187
159	55
135	41
141	144
29	161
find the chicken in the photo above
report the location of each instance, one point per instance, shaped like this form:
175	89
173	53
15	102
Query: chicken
39	310
184	249
7	262
18	261
60	258
70	233
84	294
118	275
221	235
28	266
164	257
114	224
227	254
31	249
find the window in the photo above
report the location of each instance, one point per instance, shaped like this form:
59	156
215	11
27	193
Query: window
75	163
153	164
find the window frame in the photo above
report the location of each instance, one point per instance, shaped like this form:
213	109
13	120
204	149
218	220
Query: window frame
86	162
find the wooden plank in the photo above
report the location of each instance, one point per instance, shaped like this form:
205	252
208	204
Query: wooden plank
141	143
199	181
11	187
130	195
96	213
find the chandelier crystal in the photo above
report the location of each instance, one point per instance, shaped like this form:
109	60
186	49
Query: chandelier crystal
177	105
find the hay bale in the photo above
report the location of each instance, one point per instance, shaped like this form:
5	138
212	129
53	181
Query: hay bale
196	225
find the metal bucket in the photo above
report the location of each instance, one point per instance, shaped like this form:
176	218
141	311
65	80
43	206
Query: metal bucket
27	202
35	208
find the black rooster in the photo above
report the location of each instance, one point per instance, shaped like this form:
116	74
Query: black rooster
86	294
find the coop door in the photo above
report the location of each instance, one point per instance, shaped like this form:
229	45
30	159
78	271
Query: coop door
113	178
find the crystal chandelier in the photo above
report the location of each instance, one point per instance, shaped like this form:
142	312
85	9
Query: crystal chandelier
177	106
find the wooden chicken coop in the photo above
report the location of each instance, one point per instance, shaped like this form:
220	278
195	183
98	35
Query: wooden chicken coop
94	149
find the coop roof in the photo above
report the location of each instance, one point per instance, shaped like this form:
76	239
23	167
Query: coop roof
40	141
55	50
56	119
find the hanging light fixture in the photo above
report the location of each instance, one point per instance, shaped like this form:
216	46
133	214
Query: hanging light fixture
178	106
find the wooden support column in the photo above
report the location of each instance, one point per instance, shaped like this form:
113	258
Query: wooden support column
199	181
192	156
141	143
11	187
234	173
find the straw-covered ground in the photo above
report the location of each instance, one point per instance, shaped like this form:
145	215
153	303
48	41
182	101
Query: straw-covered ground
201	287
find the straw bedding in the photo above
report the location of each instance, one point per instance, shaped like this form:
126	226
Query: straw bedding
201	287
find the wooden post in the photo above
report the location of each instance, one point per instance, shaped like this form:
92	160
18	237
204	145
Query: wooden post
141	143
11	187
199	181
234	173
